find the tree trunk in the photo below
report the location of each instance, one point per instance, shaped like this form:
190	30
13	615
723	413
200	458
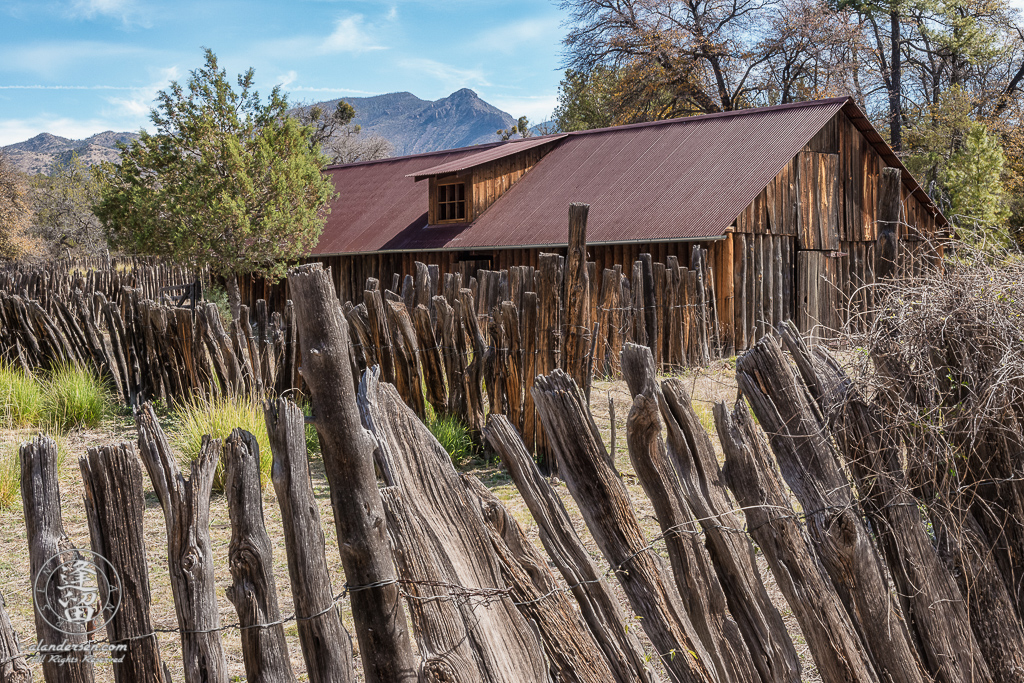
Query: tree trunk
234	295
44	529
599	606
348	459
253	591
114	504
186	506
326	644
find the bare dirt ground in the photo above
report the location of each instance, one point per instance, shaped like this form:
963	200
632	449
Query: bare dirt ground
716	383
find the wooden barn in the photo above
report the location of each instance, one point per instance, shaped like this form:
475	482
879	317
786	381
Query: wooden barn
783	199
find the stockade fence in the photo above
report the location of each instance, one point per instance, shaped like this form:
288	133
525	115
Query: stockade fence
876	598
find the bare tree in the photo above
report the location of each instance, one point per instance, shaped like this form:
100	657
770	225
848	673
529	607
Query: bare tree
337	137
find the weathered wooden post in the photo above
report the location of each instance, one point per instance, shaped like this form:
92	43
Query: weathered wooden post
253	591
40	496
577	299
186	506
348	458
114	504
13	667
887	246
326	644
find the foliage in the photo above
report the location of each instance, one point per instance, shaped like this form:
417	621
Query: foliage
585	100
63	202
972	179
227	181
15	212
74	398
454	437
520	127
21	398
217	418
338	138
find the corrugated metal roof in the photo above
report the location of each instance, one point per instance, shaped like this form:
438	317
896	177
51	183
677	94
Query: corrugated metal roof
665	180
505	149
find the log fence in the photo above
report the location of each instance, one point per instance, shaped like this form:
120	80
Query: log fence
482	603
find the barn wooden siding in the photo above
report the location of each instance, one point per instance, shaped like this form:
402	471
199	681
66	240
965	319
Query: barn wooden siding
802	250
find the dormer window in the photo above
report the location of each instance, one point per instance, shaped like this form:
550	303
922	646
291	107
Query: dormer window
451	202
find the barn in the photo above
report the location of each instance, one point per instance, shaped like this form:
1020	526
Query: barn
781	201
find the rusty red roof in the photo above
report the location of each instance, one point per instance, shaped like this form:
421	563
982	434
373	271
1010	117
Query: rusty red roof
505	149
666	180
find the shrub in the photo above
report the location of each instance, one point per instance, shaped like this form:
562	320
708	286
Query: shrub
218	417
21	398
454	437
74	397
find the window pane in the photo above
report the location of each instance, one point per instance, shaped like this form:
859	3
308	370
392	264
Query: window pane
460	209
462	191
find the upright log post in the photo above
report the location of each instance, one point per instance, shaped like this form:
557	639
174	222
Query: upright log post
326	644
186	506
40	496
253	591
577	299
887	246
114	504
348	458
13	667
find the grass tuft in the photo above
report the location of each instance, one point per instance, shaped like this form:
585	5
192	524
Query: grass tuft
218	417
21	398
454	436
10	476
73	398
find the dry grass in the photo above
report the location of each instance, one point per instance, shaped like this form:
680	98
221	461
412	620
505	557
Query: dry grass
706	387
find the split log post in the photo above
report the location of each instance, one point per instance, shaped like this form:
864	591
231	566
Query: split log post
430	355
638	303
475	369
692	454
599	606
186	506
699	588
606	507
326	644
451	545
44	531
548	331
114	505
253	591
890	189
577	299
831	637
650	306
571	650
451	337
348	459
13	667
810	467
528	321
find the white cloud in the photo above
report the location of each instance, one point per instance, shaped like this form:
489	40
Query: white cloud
127	11
350	35
392	13
509	38
537	108
136	107
287	79
451	77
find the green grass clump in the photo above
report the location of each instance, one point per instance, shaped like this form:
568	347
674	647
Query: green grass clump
74	397
10	476
21	398
218	418
454	436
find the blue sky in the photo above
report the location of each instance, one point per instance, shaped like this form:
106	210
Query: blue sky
78	67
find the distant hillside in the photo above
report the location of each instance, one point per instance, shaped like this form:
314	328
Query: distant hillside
413	125
410	124
38	154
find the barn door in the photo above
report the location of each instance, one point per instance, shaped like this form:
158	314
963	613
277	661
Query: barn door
819	201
